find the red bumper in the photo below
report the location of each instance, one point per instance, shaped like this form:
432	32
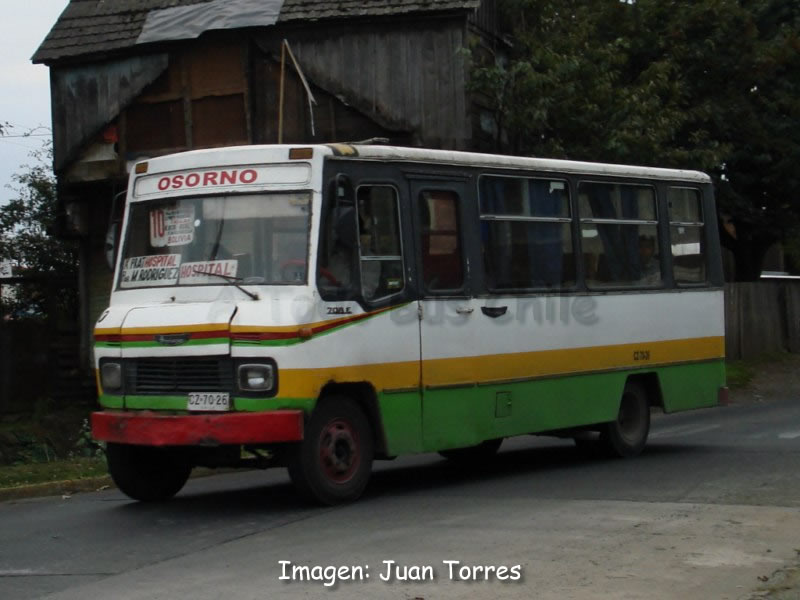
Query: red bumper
153	429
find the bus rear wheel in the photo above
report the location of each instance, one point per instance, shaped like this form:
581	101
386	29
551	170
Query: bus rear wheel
145	473
627	435
333	463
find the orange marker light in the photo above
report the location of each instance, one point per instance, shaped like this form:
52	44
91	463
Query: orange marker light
301	153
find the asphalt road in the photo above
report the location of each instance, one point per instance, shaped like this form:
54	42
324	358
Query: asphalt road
707	510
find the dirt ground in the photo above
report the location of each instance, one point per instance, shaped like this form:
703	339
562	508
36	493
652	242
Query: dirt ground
774	379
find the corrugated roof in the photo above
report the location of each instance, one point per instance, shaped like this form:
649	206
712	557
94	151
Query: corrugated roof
96	26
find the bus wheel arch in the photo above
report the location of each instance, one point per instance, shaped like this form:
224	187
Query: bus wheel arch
626	436
367	399
652	387
333	463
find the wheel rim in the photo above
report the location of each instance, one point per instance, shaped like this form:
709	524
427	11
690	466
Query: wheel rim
631	420
339	452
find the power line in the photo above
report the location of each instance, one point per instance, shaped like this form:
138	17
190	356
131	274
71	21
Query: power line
27	147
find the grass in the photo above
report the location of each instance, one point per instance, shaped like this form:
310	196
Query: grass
12	476
740	373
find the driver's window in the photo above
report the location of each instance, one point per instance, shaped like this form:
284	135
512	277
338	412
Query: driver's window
380	248
337	277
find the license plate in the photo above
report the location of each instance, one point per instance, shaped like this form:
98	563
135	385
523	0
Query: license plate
210	401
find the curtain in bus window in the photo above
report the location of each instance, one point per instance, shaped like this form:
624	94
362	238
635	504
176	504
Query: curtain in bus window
620	242
522	247
442	265
624	253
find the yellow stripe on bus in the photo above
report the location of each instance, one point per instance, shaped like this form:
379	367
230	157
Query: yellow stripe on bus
307	383
484	369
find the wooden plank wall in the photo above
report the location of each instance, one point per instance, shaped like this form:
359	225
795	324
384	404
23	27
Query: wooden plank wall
762	318
793	317
410	76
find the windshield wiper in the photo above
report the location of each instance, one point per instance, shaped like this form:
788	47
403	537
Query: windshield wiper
230	278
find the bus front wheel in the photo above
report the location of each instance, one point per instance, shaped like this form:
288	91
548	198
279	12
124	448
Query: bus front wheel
627	435
145	473
333	463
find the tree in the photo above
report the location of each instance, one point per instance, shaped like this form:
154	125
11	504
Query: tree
711	85
26	223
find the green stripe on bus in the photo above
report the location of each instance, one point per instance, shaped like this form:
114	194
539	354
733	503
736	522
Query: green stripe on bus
465	416
179	403
108	401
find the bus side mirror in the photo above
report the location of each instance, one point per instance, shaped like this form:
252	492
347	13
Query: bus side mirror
343	190
344	212
111	245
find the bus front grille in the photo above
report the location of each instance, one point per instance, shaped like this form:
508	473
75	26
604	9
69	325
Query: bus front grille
178	376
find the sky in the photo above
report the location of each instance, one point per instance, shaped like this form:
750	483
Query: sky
24	87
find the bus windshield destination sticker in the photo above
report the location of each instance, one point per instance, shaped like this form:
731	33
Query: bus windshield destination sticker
171	226
143	271
208	272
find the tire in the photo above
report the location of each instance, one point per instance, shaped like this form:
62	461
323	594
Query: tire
145	473
333	463
479	454
627	436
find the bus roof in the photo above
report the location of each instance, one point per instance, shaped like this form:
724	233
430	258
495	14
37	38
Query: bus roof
252	154
450	157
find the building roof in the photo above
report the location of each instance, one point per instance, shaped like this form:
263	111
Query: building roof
99	26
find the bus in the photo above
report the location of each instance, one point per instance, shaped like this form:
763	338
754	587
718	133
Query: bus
321	307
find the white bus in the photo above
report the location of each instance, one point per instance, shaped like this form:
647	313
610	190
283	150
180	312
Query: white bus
319	307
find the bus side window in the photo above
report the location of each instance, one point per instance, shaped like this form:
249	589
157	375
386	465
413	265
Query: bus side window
526	233
687	237
619	232
379	245
337	265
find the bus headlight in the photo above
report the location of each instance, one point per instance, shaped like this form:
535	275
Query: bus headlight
256	378
111	376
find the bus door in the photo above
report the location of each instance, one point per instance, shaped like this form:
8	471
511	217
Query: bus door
361	278
452	415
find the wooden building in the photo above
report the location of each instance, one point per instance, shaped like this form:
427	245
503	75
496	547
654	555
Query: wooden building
141	78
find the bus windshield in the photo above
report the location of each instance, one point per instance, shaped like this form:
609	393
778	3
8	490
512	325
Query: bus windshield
219	240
